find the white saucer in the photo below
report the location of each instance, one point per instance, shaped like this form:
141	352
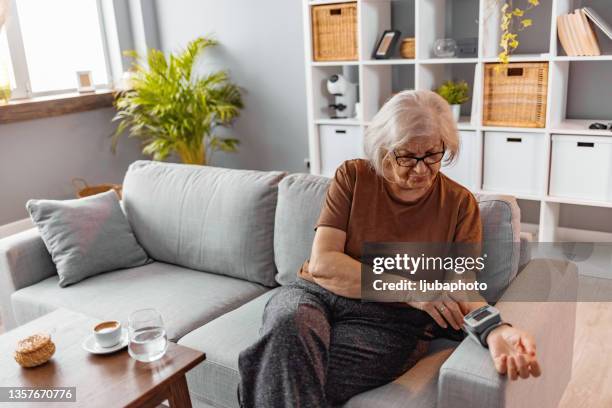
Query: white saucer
90	344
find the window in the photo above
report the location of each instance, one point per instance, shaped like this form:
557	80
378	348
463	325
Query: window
55	39
6	67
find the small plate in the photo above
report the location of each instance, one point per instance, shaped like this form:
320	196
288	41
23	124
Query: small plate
90	344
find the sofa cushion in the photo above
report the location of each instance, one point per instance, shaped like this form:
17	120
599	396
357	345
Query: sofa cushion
215	381
501	217
186	299
87	236
205	218
300	198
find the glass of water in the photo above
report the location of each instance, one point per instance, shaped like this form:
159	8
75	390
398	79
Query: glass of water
148	340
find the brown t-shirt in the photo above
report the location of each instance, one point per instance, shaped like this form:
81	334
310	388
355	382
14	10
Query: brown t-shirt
360	203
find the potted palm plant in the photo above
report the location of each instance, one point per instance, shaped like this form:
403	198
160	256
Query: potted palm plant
455	93
173	110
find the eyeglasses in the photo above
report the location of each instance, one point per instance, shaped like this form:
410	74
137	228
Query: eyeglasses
413	161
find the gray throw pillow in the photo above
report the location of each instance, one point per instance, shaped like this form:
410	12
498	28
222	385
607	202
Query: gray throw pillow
86	237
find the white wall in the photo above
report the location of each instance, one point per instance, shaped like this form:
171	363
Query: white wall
39	158
262	46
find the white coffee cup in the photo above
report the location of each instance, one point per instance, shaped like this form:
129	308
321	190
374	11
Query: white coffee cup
108	333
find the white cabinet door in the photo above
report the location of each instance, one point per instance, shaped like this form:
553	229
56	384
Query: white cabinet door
581	167
513	162
339	143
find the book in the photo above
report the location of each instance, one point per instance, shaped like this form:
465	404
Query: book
599	22
591	37
571	35
563	34
582	36
576	34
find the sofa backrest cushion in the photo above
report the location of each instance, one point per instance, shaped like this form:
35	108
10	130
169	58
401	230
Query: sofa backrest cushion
501	231
205	218
301	197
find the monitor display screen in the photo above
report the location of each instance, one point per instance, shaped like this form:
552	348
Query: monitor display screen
482	315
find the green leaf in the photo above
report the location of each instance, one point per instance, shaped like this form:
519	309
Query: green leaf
227	144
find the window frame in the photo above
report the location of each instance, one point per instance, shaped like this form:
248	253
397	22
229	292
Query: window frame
23	89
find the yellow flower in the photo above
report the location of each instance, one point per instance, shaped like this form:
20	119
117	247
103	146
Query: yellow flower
509	36
518	12
526	22
514	44
534	2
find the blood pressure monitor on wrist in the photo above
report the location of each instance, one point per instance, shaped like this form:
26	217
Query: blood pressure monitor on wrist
480	322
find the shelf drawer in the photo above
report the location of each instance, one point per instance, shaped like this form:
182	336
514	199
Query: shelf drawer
513	162
339	143
581	167
463	170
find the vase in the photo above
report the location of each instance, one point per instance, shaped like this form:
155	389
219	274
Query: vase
445	48
456	109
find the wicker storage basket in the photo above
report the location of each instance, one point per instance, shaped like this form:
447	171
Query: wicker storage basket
515	96
334	32
407	48
85	190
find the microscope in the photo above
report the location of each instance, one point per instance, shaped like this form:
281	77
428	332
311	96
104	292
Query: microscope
345	94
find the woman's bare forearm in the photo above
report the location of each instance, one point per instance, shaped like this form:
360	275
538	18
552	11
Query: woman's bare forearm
338	273
341	275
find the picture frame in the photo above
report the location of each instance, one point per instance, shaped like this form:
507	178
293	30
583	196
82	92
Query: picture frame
85	82
386	44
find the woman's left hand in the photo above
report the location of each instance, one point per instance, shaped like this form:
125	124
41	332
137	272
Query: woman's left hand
513	352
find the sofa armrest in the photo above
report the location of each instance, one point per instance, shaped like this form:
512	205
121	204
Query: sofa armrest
542	301
24	261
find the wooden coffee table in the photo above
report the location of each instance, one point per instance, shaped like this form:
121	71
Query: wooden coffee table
111	380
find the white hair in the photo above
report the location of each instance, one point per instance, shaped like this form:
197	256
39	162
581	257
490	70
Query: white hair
406	115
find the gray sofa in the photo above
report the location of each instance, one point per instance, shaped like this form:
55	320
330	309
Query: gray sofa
224	240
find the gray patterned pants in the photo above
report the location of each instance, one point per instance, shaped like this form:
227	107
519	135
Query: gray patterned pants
318	349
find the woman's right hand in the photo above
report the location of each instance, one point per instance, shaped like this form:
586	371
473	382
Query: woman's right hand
443	310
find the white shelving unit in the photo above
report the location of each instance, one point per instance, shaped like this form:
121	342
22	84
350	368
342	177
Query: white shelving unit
433	19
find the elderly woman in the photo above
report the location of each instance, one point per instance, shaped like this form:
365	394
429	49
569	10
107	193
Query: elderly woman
320	344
